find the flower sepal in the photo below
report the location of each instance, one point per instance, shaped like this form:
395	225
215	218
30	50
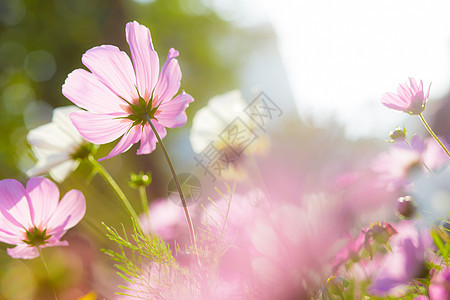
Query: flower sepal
36	237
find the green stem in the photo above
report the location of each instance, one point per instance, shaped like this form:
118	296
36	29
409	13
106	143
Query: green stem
48	272
102	171
144	201
433	134
177	183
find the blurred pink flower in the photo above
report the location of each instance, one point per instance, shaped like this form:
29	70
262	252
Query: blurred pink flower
350	251
440	285
398	166
118	98
32	217
166	220
406	261
157	280
410	99
292	245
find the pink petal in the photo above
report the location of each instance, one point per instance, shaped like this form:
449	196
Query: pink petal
44	196
414	85
55	242
148	138
417	143
85	90
404	92
99	128
169	81
145	59
428	93
125	142
23	251
14	204
70	211
172	113
392	98
113	68
8	237
11	232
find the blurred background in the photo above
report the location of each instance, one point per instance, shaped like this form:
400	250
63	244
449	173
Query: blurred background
324	63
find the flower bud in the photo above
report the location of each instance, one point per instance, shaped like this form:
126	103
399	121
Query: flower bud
406	207
398	135
141	179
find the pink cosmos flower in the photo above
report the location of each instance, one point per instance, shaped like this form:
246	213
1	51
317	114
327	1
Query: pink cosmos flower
410	247
118	98
440	285
410	99
32	217
405	161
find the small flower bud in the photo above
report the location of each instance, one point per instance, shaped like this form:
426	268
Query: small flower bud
398	135
141	179
335	285
381	232
405	207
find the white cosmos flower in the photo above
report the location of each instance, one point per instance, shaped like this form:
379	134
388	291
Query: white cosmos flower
210	121
57	145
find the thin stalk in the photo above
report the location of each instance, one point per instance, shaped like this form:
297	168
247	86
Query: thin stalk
177	183
423	163
48	272
102	171
433	134
144	201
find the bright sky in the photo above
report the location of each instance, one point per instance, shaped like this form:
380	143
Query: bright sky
341	56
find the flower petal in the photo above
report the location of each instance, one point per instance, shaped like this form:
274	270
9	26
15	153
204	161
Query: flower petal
125	142
148	138
85	90
61	117
50	138
145	59
46	164
99	128
44	197
55	242
69	211
169	81
62	170
23	251
8	237
14	204
172	113
113	68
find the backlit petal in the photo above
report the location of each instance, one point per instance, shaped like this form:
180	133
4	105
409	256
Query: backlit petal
23	251
172	113
113	68
125	142
87	91
70	210
169	81
99	128
44	196
148	138
145	59
14	204
62	170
